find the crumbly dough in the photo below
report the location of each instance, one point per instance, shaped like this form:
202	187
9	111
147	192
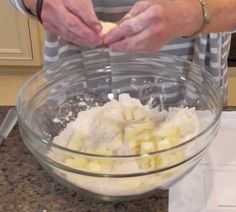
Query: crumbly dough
107	26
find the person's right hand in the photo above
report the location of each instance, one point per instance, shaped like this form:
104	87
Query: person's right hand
73	20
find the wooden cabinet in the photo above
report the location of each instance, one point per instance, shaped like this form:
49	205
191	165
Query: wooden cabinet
20	38
232	54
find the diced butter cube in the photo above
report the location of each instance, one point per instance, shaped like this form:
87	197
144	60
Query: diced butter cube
94	166
163	144
76	162
147	147
147	163
143	125
145	136
171	158
158	161
133	144
172	134
173	139
152	163
168	160
130	133
107	26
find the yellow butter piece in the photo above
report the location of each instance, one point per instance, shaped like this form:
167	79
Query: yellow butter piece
147	163
147	147
172	134
94	166
171	158
76	162
170	131
157	161
107	27
133	144
144	136
130	133
143	125
163	144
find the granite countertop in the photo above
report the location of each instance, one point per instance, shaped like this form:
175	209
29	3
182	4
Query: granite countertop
26	187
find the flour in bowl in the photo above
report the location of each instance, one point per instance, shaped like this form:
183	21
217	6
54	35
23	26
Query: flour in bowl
126	127
122	128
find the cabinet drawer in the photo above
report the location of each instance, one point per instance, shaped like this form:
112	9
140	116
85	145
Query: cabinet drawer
19	38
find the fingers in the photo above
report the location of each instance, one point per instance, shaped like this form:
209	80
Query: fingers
75	25
130	27
57	18
84	9
73	38
149	40
68	26
146	28
67	35
131	44
51	28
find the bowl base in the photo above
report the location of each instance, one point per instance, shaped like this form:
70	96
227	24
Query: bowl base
100	197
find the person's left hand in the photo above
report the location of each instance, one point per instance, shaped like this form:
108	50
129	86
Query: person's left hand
152	24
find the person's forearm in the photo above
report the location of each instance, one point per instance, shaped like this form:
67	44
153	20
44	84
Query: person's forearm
223	16
30	5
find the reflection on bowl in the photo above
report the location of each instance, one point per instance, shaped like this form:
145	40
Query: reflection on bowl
53	97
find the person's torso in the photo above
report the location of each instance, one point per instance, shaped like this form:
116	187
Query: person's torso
114	10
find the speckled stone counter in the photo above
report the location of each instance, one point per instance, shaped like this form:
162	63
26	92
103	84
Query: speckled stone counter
25	187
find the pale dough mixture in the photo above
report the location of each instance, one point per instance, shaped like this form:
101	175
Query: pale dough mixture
124	127
107	26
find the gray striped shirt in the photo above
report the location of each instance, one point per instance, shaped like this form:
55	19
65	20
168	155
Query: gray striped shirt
209	51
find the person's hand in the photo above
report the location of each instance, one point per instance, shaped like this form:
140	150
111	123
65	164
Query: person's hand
73	20
152	24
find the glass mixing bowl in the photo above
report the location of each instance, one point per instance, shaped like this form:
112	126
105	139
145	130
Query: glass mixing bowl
54	96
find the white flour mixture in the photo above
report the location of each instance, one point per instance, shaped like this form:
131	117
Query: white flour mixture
124	127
